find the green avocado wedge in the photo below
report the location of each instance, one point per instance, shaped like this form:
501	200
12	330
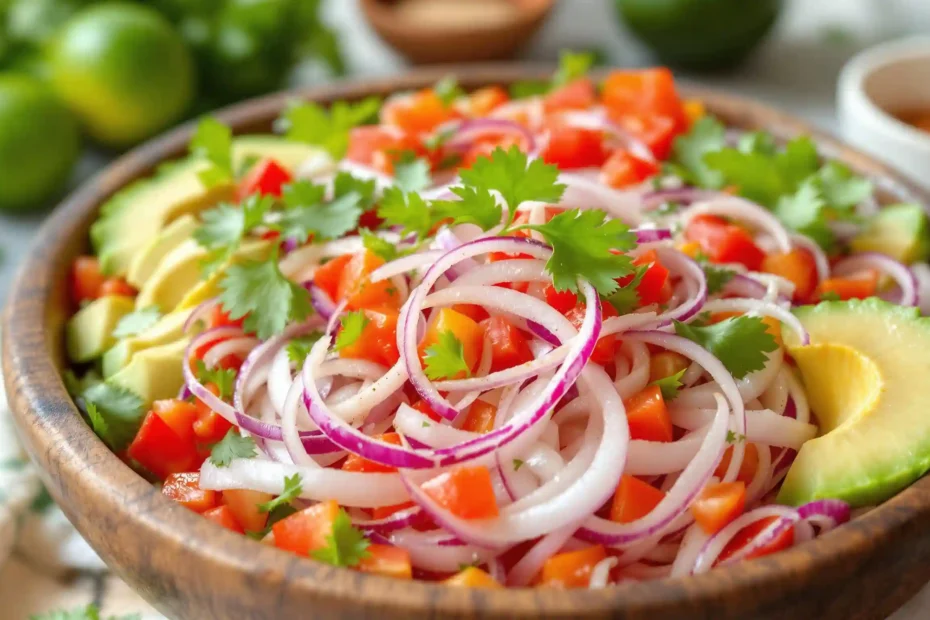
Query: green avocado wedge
864	372
901	231
90	332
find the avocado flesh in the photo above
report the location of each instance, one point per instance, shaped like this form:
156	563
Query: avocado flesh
134	216
863	373
901	231
155	373
146	261
168	329
90	332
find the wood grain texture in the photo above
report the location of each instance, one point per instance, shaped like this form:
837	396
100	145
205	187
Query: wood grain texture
424	44
189	568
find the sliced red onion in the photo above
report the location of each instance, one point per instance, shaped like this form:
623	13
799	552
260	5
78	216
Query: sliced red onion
585	193
321	302
190	379
200	313
651	235
680	195
902	276
469	131
598	120
541	332
680	262
820	258
397	521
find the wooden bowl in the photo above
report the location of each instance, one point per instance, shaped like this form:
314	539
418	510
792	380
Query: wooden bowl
422	43
189	568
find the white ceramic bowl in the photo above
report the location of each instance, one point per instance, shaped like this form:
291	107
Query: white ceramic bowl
875	84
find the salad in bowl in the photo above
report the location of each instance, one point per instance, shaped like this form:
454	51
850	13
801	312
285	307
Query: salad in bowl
566	335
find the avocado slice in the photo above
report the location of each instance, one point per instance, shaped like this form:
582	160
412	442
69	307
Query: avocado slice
90	332
155	373
136	214
901	231
168	329
287	153
207	289
864	370
146	261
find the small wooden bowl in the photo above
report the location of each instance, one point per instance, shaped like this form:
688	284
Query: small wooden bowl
424	44
189	568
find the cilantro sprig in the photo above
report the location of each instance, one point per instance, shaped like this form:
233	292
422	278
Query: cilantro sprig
292	488
740	343
346	545
114	412
232	446
299	348
329	129
626	298
572	65
306	213
445	358
352	326
137	322
212	141
224	227
223	378
670	385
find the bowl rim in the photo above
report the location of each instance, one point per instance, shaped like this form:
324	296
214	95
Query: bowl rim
70	455
856	102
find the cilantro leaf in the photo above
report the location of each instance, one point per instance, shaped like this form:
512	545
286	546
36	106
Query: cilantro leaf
508	173
353	324
582	244
328	129
529	88
412	176
213	142
375	244
445	358
405	209
258	291
670	385
841	189
707	135
232	446
717	277
757	142
626	298
306	214
97	421
345	546
347	183
572	65
280	512
830	296
292	489
448	90
223	378
740	343
477	206
299	348
806	212
118	412
136	322
226	225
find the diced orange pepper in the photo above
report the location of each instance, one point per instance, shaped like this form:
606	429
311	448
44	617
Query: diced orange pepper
354	462
419	113
747	469
243	503
184	488
359	291
718	504
472	577
509	347
484	100
572	569
859	287
665	364
378	342
306	531
796	266
386	560
480	418
464	491
329	274
648	416
633	500
468	332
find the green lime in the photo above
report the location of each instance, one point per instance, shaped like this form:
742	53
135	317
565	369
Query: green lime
39	143
124	71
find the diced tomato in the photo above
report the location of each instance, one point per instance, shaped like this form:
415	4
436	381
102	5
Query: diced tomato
796	266
209	426
378	342
383	512
575	147
423	407
179	415
623	168
654	130
509	347
220	318
162	451
718	504
633	500
354	462
563	301
652	287
474	312
723	242
356	288
747	469
184	488
493	257
418	113
86	279
462	327
117	286
480	418
571	569
386	560
643	92
305	531
464	491
472	577
243	503
378	147
576	95
265	178
487	144
784	540
329	274
648	416
606	348
860	286
484	100
665	364
223	516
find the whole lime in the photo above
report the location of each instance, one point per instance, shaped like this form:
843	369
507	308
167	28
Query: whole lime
39	143
124	71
